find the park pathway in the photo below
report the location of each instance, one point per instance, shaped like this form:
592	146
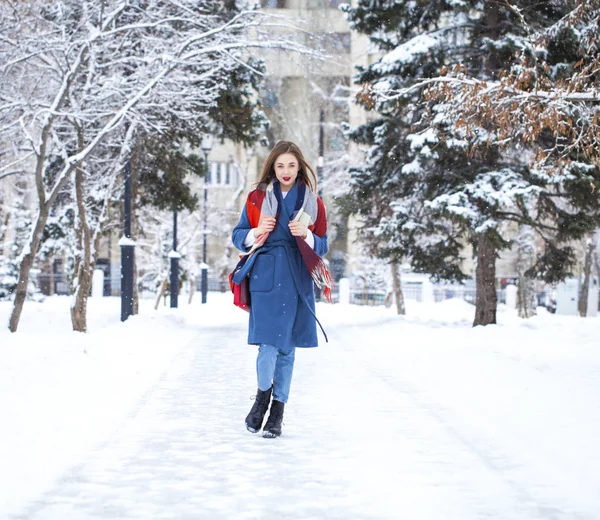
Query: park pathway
364	438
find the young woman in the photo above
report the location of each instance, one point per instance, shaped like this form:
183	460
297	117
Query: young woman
282	233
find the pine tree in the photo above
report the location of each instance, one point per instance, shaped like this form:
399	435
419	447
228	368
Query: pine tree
165	169
426	191
547	94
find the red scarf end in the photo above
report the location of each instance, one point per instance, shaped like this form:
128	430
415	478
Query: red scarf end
323	279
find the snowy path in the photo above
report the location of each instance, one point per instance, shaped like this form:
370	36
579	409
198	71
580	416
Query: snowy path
373	431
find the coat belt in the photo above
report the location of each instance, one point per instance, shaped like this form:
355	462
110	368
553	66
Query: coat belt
288	246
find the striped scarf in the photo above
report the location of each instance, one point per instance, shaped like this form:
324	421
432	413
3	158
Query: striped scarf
309	210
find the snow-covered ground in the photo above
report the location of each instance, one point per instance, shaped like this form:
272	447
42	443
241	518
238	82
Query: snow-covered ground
417	417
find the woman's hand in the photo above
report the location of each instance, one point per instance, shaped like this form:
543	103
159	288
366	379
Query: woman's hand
265	225
298	229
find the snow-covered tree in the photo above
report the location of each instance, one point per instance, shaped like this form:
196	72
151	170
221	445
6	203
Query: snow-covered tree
547	96
164	171
409	168
371	273
430	186
74	71
94	186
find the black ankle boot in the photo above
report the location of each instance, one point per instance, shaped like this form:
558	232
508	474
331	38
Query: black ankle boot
273	426
259	409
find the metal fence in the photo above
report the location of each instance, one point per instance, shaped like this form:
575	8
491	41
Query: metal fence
412	292
50	284
213	285
466	294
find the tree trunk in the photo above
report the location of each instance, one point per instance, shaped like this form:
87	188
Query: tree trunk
163	290
398	294
587	274
84	264
493	18
485	279
25	269
82	292
526	301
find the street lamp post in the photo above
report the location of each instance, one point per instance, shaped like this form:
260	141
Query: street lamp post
127	246
206	148
174	257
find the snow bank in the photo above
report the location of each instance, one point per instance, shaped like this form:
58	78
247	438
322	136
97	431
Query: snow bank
62	392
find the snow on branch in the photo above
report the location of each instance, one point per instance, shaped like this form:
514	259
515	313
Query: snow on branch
551	107
75	71
115	65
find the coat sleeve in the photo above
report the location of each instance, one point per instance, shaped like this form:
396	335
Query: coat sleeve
319	230
240	232
321	245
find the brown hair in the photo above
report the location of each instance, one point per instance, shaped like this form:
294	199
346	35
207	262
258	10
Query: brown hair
268	172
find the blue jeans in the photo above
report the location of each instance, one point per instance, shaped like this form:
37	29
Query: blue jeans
275	367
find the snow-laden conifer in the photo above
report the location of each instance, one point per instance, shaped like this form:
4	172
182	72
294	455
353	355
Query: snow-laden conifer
432	183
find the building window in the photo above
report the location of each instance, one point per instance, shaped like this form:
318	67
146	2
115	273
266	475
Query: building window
338	143
269	98
223	174
339	42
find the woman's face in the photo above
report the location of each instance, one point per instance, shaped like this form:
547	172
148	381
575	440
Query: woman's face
286	170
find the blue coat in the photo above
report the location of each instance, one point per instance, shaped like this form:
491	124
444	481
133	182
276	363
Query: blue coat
282	312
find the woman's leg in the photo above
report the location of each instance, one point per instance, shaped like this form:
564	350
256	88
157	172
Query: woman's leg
265	366
265	369
284	368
